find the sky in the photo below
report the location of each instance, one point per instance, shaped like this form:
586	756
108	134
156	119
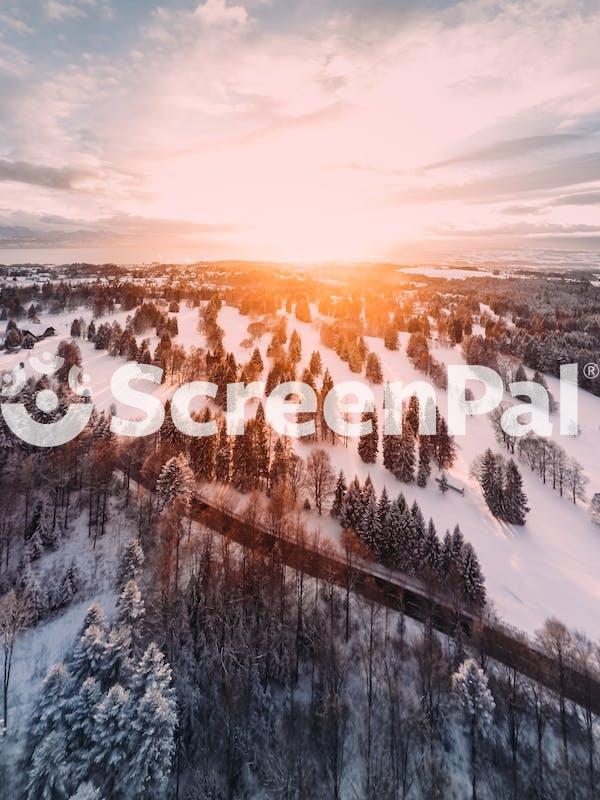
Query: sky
296	130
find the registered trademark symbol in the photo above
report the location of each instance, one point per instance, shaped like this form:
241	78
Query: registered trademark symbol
591	371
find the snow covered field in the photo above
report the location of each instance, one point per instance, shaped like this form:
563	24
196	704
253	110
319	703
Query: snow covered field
549	567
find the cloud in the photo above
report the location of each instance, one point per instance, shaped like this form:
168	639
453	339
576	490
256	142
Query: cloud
505	186
217	13
520	211
580	199
27	231
58	10
40	175
512	148
517	229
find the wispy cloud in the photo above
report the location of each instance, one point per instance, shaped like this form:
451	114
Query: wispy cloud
236	110
580	199
513	148
21	230
40	175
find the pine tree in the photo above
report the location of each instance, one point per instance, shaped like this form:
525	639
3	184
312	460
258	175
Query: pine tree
383	507
130	613
175	484
279	465
475	700
368	526
50	710
152	671
86	791
424	469
132	561
295	350
47	779
34	547
151	743
443	484
223	457
373	371
369	442
110	753
90	657
338	495
80	728
431	553
256	364
242	475
353	507
490	480
515	500
260	446
391	449
445	449
203	452
472	578
411	418
404	467
315	365
43	524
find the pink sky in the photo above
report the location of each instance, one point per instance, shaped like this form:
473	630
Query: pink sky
296	131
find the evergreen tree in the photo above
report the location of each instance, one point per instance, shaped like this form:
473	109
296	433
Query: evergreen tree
34	547
47	779
373	371
151	743
260	439
279	465
315	365
391	449
152	671
473	581
369	442
445	449
132	561
515	500
411	418
490	480
175	484
203	452
256	364
86	791
131	612
50	710
443	484
338	495
431	553
475	700
424	468
223	457
404	466
80	728
90	657
110	753
368	526
295	350
352	506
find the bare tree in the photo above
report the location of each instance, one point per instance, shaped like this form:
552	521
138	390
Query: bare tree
320	478
575	480
556	641
15	616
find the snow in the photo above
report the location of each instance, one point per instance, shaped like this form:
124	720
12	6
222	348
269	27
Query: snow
449	272
550	566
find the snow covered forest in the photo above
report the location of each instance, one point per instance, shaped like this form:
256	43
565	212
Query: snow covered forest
147	654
